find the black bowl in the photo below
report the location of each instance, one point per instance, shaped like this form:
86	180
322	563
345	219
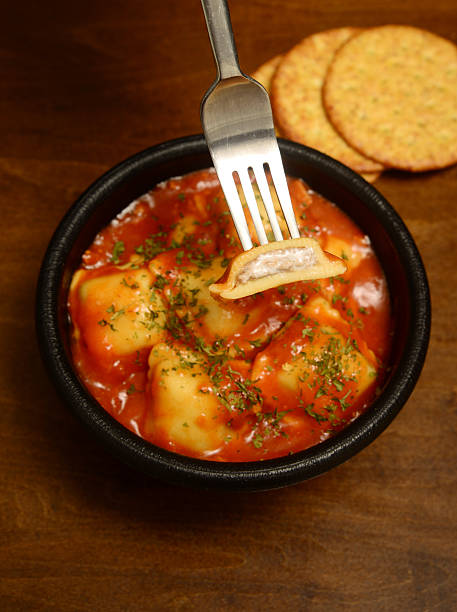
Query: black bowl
127	181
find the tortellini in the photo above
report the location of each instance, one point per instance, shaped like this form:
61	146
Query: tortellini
182	409
119	312
315	361
275	264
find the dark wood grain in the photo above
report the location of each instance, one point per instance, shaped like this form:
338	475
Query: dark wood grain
84	85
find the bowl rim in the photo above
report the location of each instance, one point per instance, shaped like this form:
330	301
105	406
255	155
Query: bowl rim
259	475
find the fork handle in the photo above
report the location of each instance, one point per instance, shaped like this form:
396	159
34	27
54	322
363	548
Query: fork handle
221	36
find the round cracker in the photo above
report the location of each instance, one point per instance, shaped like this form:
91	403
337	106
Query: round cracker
296	98
264	73
391	92
371	177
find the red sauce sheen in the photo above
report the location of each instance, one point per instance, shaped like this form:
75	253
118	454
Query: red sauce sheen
256	378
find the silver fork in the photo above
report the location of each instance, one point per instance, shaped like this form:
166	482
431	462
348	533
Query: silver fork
238	125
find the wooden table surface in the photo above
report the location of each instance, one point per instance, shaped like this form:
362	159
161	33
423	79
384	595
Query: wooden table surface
84	85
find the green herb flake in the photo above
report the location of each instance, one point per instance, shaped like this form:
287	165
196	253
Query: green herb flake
126	284
161	282
104	323
256	343
338	384
307	332
258	441
118	249
132	389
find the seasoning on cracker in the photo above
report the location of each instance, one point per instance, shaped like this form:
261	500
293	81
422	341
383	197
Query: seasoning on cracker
296	98
391	92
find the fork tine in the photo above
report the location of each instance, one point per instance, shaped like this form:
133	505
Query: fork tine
236	208
264	189
252	205
280	183
238	124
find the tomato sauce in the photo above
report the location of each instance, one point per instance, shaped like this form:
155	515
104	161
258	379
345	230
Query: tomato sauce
255	378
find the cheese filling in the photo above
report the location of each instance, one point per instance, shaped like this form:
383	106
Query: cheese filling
276	261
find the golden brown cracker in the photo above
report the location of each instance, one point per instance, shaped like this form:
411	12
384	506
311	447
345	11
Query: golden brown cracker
371	177
264	73
391	92
296	96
